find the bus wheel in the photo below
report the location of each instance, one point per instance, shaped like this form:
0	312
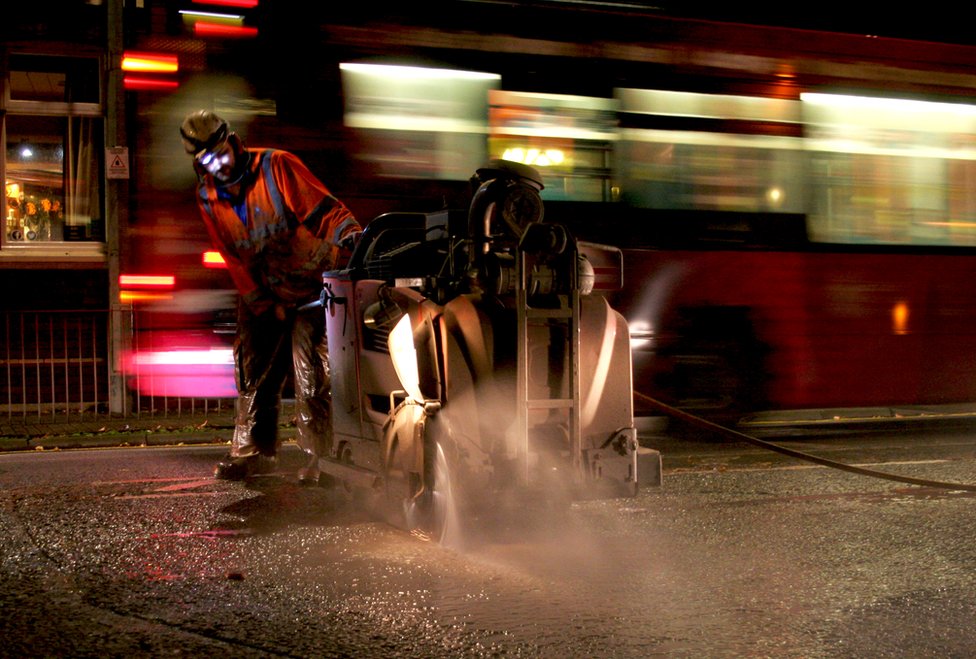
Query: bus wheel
717	364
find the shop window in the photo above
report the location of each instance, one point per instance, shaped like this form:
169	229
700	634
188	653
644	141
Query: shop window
49	78
52	122
52	176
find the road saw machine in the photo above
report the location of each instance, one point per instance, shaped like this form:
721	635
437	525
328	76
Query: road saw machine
474	360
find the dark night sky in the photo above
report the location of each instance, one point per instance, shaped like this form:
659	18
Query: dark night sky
930	21
935	20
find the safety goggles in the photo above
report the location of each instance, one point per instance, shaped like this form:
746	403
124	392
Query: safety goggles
214	159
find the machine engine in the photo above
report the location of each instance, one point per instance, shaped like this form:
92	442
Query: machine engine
473	357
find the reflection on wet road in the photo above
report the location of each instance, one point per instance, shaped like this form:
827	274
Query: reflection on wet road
138	551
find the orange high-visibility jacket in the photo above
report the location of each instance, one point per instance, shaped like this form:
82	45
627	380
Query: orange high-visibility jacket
288	235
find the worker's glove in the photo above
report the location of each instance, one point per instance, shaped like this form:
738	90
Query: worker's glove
349	242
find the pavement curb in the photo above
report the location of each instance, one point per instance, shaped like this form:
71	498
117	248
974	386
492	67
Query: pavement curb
33	435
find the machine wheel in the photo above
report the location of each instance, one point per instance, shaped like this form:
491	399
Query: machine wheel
433	510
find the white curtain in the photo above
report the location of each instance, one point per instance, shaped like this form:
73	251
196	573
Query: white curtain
80	171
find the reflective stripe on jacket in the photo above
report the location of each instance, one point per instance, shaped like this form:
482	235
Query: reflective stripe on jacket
288	235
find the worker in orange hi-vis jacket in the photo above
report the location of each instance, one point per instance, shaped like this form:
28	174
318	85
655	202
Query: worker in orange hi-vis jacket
278	228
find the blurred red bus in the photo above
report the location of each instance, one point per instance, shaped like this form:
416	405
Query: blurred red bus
797	208
182	309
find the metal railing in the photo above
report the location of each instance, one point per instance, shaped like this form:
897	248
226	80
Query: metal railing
56	365
54	362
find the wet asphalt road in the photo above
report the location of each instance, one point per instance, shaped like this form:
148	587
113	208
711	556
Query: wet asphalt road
138	552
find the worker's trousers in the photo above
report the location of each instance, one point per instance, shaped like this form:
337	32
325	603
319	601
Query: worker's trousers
266	351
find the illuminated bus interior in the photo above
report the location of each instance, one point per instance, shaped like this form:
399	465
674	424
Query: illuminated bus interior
862	170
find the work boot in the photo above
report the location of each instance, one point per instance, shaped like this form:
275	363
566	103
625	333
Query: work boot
310	473
237	469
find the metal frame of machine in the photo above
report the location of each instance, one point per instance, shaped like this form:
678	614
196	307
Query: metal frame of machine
473	356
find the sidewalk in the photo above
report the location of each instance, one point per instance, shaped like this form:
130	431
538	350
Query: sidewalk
34	432
819	420
40	432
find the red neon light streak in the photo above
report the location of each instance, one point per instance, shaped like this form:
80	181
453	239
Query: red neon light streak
206	356
131	297
213	259
148	84
205	29
243	4
149	62
147	281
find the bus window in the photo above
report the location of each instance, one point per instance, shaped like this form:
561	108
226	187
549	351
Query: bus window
711	152
407	128
890	171
567	138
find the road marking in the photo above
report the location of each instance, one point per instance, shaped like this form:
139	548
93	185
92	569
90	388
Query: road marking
213	533
174	487
167	494
186	486
148	480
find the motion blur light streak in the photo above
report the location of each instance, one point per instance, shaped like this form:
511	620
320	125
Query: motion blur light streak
149	62
873	103
899	318
224	19
214	24
184	357
243	4
148	84
143	62
207	29
417	122
536	157
147	281
641	334
398	72
206	372
146	288
213	259
131	297
708	106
